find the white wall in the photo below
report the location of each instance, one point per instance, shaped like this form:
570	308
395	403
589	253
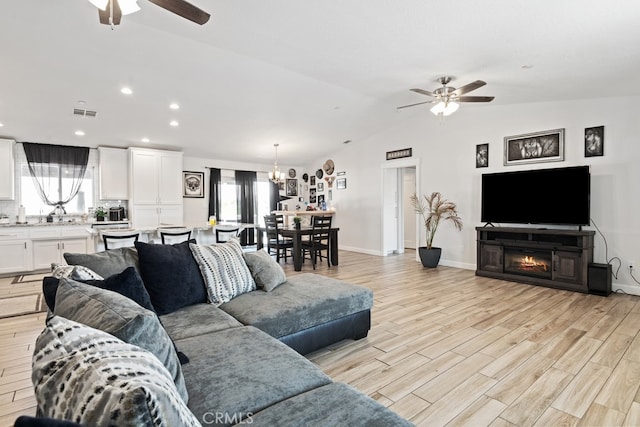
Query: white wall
447	153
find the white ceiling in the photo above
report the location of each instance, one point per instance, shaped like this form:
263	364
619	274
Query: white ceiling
307	74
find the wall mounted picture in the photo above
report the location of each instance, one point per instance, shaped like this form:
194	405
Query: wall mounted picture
547	146
321	186
341	183
594	141
193	184
312	195
320	198
292	187
312	180
281	186
482	155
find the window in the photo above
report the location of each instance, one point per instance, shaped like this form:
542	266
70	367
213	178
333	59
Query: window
229	203
30	199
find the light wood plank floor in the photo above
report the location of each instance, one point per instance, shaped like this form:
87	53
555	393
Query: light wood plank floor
449	348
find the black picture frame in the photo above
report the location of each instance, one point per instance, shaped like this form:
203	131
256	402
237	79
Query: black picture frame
312	180
536	147
192	184
482	156
594	141
292	187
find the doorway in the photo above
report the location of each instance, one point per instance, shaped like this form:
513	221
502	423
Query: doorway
400	179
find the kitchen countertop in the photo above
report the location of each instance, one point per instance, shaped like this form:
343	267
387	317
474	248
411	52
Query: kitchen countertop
63	223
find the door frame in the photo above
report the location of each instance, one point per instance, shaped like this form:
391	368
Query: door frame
398	164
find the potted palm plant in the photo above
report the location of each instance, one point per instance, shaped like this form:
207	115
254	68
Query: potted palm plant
434	208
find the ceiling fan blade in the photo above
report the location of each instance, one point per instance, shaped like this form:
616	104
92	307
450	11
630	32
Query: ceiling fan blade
412	105
468	88
475	99
106	13
423	92
184	9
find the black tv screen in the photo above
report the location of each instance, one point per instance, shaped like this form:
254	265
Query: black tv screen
558	196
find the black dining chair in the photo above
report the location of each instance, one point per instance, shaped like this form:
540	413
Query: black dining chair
114	241
174	236
224	234
275	240
318	241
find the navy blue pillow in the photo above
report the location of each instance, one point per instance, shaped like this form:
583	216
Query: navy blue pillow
128	283
171	275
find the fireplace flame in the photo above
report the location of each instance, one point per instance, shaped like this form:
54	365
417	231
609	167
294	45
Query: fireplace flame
529	262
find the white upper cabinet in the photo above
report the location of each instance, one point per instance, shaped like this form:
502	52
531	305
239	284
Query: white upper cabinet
156	177
7	171
114	173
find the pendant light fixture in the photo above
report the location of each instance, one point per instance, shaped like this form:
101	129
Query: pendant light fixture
275	175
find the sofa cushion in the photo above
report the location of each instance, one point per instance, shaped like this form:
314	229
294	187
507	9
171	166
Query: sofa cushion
127	283
90	377
224	270
303	301
171	276
266	272
243	370
334	404
118	315
197	319
75	272
105	263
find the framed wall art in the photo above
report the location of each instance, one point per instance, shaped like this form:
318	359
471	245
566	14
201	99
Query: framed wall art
321	186
292	187
341	183
192	184
537	147
482	155
594	141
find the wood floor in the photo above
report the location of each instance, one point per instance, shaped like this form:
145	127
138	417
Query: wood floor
449	348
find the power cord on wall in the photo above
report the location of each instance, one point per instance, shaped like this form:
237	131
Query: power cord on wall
606	255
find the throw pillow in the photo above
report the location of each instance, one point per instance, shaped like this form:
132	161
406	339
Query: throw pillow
87	376
76	272
127	283
266	272
224	270
106	263
171	276
118	315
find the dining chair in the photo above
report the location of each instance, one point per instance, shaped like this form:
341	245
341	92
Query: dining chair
114	240
169	237
318	240
224	234
275	240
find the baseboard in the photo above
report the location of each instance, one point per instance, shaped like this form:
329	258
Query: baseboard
627	289
463	265
360	250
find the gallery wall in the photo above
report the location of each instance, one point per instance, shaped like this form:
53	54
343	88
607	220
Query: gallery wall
445	150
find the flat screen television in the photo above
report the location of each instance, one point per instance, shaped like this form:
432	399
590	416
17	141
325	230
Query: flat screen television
558	196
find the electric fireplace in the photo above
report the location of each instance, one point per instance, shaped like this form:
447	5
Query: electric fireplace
535	263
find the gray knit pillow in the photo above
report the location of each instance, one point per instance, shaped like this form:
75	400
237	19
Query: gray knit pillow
266	272
224	271
87	376
122	317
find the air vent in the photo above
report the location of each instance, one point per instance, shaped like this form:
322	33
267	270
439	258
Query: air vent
84	113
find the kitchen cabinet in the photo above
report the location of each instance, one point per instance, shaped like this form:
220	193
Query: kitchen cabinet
113	166
15	250
51	242
7	172
155	188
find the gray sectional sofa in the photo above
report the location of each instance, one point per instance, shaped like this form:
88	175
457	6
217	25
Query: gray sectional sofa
241	356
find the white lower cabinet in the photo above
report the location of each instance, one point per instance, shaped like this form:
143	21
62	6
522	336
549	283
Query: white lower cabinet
15	256
46	252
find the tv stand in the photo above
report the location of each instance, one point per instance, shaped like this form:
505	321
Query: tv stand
537	256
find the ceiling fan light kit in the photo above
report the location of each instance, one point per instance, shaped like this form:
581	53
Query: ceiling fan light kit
447	98
110	11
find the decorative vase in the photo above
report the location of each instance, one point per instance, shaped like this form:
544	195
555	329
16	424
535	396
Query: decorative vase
429	257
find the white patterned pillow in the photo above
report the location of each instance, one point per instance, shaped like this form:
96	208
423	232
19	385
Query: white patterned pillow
224	270
75	272
87	376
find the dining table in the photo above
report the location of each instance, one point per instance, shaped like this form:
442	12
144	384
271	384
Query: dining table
296	235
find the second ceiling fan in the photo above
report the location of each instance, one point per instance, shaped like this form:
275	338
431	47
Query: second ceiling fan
110	11
446	97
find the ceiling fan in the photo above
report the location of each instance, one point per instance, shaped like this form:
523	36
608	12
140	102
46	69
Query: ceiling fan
448	97
110	11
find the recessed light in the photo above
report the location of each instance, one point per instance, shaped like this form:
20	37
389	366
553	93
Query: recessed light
174	123
126	90
174	106
145	140
79	133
